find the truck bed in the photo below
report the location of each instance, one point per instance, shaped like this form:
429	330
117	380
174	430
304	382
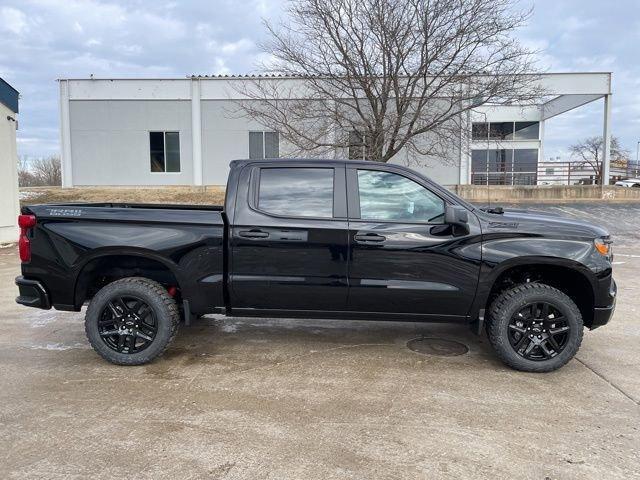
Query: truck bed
184	243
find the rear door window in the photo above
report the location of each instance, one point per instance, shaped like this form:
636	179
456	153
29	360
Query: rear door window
296	192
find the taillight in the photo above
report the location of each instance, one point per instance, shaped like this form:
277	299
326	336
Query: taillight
24	247
25	222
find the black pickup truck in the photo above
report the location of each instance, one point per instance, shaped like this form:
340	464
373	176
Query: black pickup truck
320	239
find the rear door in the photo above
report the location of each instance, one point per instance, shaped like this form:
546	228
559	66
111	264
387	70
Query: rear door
289	238
403	258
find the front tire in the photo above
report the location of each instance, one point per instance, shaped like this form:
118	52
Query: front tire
131	321
534	327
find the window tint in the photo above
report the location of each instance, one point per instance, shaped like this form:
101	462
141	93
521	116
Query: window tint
156	146
478	160
164	149
501	131
500	160
527	131
357	145
256	146
389	196
479	131
296	192
271	145
505	131
172	146
264	145
525	160
504	166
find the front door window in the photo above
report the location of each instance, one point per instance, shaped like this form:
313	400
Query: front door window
386	196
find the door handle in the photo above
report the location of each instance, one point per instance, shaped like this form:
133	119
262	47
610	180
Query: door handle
255	233
369	237
290	235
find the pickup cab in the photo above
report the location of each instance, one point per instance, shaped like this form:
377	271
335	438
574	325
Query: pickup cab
320	239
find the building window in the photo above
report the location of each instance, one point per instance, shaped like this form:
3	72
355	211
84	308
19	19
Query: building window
164	148
388	196
357	145
480	131
505	131
527	131
264	145
501	131
504	166
296	192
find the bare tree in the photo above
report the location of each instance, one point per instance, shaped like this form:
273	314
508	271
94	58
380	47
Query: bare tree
387	75
589	153
26	178
39	172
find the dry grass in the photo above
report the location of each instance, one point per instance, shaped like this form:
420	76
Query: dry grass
163	195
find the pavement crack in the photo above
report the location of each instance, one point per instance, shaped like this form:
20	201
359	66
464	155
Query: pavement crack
598	374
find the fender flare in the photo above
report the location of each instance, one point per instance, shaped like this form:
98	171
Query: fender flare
487	281
100	253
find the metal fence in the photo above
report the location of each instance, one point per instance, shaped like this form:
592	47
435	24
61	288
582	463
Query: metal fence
552	173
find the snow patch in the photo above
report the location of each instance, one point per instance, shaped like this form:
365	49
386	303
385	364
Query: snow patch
229	328
43	318
28	195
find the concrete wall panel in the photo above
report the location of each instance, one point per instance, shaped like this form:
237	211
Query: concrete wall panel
9	205
110	141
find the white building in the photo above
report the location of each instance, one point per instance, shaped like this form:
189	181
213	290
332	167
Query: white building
186	131
9	204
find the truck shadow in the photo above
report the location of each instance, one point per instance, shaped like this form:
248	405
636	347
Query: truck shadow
217	336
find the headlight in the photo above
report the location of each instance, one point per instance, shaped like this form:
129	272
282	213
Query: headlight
604	246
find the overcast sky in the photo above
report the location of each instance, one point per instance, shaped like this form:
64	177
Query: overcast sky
48	39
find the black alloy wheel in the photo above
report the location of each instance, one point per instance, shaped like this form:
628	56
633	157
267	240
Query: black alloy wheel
538	331
127	324
131	321
535	327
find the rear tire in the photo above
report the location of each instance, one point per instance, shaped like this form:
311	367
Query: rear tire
534	327
131	321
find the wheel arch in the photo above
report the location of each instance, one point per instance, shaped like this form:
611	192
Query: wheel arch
570	277
104	267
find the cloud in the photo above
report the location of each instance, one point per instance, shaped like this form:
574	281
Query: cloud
602	62
574	23
582	36
49	39
13	20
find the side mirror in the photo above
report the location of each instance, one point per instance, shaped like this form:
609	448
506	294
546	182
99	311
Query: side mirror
458	218
456	215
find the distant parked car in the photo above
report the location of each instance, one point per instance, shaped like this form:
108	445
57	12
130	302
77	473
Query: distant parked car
629	182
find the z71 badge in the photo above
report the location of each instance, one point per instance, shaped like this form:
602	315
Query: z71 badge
65	212
503	224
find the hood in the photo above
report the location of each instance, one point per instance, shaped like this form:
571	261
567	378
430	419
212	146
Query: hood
543	223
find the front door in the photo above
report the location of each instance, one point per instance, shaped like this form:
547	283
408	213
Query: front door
404	259
289	238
